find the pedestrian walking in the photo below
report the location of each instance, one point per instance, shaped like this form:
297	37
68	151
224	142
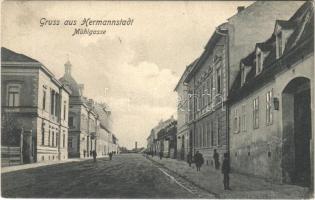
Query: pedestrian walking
216	159
110	155
198	160
161	155
94	155
226	171
189	159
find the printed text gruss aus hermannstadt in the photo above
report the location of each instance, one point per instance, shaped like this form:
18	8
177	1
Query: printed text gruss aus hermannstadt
86	23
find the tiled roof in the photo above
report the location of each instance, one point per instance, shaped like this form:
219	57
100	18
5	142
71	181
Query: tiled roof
10	56
299	43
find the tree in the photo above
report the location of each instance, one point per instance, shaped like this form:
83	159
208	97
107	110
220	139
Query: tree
10	129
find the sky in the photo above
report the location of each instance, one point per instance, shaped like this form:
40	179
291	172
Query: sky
134	69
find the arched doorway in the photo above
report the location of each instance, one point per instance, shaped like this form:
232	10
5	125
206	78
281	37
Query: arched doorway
296	118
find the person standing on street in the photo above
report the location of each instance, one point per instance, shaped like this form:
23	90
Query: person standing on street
161	155
216	159
226	171
189	159
94	155
110	155
198	160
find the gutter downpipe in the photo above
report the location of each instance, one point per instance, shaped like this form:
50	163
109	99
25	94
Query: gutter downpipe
228	87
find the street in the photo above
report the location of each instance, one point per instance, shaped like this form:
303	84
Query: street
126	176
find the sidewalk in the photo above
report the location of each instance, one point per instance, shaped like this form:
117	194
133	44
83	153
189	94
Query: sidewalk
40	164
242	186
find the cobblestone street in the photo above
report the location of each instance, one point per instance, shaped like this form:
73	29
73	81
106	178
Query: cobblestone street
126	176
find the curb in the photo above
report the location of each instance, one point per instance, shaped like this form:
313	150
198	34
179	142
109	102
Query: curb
217	195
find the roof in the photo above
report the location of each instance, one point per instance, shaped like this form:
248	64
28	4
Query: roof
12	58
299	44
104	116
217	34
188	68
70	82
8	55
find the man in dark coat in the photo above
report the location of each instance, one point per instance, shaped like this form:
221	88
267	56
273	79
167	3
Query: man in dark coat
94	155
216	159
226	171
189	159
161	155
198	160
110	155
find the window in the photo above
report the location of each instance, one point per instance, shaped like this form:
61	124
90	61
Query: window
279	45
49	137
243	76
63	140
52	103
212	135
196	137
13	95
44	99
204	135
236	122
200	98
243	119
219	80
219	131
70	142
53	139
209	89
43	135
208	135
71	122
258	63
64	110
204	93
269	107
256	113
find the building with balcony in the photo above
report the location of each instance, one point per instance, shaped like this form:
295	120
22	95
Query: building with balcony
35	108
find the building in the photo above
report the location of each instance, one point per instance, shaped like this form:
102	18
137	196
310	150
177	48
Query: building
83	119
152	143
209	81
35	109
271	104
166	138
184	139
104	137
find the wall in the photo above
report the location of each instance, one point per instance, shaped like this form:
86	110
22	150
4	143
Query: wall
253	25
265	144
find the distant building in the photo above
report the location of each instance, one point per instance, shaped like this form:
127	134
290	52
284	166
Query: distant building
166	138
35	104
272	101
151	141
104	137
83	119
184	137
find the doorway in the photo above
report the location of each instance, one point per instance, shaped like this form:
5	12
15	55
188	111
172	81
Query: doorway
297	127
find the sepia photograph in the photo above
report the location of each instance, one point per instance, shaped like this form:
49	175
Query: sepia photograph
157	99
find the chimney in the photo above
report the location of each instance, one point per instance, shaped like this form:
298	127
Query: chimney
240	9
91	102
68	68
81	87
